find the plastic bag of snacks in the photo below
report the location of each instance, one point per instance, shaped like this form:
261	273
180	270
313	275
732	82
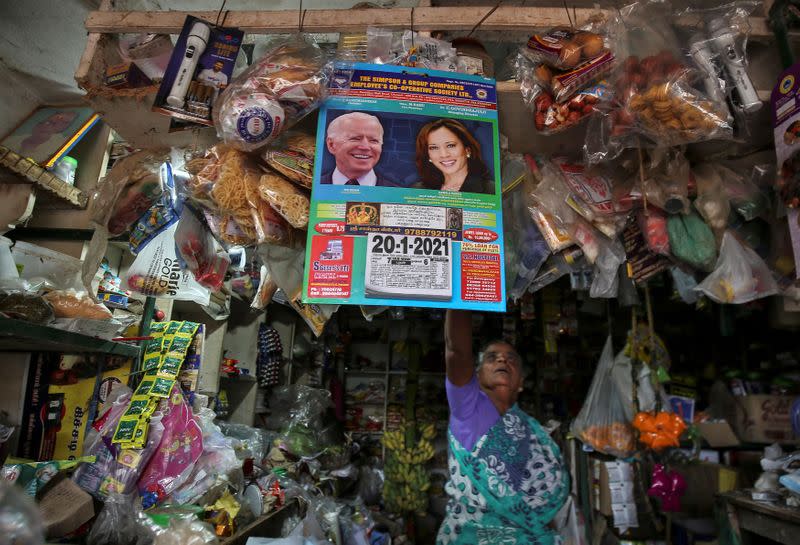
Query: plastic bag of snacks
740	276
565	60
604	422
656	100
409	48
290	202
278	90
228	185
294	158
76	304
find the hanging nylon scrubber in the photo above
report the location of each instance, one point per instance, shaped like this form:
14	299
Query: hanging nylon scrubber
270	356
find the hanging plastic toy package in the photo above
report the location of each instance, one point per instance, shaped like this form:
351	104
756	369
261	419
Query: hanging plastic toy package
200	252
656	99
126	192
740	276
278	90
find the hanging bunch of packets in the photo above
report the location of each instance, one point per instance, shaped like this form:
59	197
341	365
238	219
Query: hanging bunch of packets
163	358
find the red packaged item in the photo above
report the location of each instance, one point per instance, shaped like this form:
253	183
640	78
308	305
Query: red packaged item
551	117
653	224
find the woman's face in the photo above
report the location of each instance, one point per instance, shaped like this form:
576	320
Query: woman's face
501	371
446	151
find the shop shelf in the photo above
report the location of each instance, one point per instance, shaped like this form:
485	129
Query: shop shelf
20	336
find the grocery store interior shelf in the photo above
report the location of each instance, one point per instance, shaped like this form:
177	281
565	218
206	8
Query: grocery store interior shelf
20	336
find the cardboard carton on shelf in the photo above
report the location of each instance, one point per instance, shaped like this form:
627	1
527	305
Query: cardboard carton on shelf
757	418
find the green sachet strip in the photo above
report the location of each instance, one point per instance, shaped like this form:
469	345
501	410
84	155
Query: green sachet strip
162	387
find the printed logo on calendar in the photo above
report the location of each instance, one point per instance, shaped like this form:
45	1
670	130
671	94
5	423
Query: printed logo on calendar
331	271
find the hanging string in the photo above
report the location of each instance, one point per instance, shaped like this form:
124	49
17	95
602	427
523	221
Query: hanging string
301	17
571	23
641	181
479	23
412	28
222	7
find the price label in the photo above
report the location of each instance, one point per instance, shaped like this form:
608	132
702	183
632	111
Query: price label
409	266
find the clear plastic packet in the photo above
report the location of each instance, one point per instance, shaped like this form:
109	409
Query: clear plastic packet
409	48
294	158
556	266
739	276
20	518
712	201
655	100
555	235
525	245
564	47
200	252
550	116
666	185
76	304
596	195
180	447
44	269
286	199
718	49
157	272
604	422
278	90
120	523
692	241
266	289
653	225
27	306
684	283
605	280
745	196
131	187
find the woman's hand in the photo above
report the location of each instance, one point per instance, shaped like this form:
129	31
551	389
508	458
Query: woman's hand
458	346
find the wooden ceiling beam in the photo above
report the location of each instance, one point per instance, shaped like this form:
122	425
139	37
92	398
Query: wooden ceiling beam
507	18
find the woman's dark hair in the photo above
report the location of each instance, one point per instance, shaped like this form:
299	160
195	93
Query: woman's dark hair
430	176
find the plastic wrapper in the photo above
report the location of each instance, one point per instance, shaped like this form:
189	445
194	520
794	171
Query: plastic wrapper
692	241
278	90
565	48
115	470
550	116
266	289
564	61
180	447
740	276
45	269
32	477
408	48
187	532
126	192
718	50
657	98
196	246
300	434
554	234
25	306
712	201
157	272
596	195
667	176
294	158
215	465
556	266
248	442
642	263
605	281
228	186
119	524
526	248
73	304
653	225
604	422
569	523
20	521
291	203
164	211
684	283
745	196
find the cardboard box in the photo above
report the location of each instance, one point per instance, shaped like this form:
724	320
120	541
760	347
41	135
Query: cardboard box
763	419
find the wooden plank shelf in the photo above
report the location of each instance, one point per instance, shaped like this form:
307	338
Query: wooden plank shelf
17	169
21	336
504	18
268	525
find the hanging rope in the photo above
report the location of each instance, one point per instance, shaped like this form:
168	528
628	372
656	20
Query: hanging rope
479	23
222	7
301	17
